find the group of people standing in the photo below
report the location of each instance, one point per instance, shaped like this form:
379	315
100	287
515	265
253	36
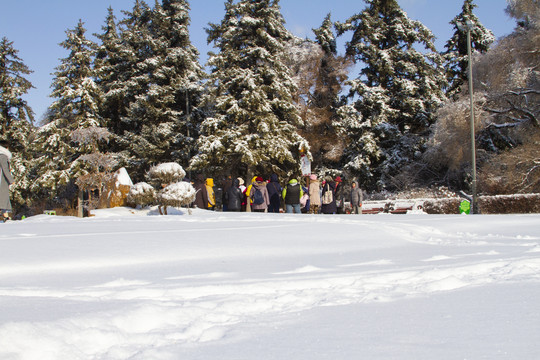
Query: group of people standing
312	196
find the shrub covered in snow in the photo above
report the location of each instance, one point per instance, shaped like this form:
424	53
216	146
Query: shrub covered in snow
173	192
166	173
178	194
142	194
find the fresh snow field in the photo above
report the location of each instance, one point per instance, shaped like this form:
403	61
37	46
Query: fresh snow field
129	284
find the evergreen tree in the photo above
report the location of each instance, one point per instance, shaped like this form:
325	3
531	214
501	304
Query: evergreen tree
13	85
15	118
124	68
111	69
76	93
395	95
152	82
456	58
169	110
56	163
254	126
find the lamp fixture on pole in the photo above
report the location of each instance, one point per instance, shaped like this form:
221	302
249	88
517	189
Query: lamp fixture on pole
468	27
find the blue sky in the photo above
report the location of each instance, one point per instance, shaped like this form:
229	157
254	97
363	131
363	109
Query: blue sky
37	27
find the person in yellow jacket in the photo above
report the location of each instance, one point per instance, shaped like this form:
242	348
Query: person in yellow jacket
248	192
210	192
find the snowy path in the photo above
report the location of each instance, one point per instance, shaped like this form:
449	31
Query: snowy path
134	287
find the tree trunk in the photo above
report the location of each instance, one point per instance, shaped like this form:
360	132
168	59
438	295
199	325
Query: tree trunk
80	199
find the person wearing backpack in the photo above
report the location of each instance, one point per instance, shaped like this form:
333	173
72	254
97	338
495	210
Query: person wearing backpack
249	202
274	193
292	193
328	197
259	195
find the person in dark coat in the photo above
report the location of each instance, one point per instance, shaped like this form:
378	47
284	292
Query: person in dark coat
227	183
330	208
201	198
234	197
274	192
292	193
6	179
339	196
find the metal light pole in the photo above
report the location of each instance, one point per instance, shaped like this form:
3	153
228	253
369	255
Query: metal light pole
468	26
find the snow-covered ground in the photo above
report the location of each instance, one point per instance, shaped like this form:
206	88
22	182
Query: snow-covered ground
128	284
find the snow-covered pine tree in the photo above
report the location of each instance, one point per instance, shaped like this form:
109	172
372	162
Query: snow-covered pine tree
13	85
111	69
170	109
123	69
254	125
455	55
395	94
56	164
155	83
76	93
16	117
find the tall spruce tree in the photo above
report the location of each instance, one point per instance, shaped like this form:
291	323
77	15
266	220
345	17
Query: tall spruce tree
76	105
170	109
151	78
254	125
13	85
111	69
127	61
395	94
16	117
456	58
